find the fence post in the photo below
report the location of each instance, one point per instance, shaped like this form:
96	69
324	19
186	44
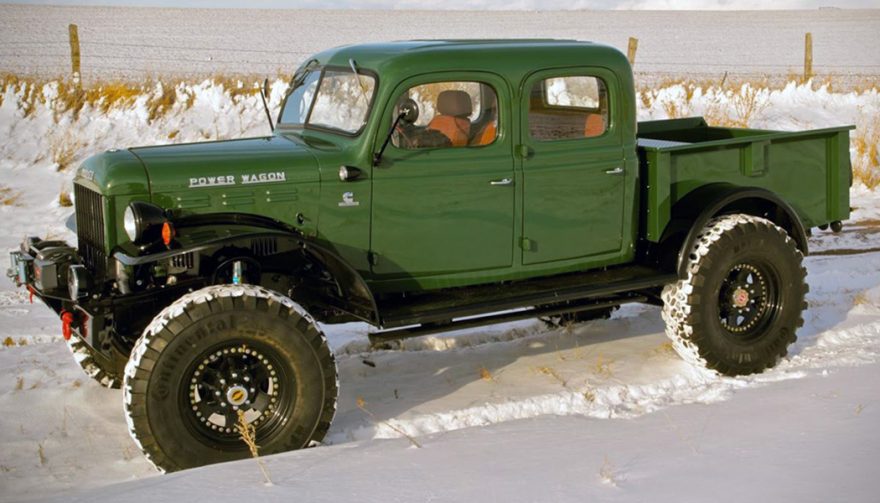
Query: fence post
631	50
808	56
74	54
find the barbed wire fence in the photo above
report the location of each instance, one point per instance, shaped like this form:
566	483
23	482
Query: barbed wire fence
111	60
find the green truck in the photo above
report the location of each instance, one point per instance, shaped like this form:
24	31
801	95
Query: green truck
420	187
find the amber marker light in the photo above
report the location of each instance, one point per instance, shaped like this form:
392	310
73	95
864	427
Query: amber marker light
167	233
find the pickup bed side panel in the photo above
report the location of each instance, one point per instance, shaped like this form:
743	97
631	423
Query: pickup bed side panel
810	171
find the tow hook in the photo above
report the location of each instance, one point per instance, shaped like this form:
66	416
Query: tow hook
30	290
66	322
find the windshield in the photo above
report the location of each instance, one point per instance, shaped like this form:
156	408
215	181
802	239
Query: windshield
338	100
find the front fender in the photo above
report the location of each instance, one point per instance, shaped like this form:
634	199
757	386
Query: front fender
355	297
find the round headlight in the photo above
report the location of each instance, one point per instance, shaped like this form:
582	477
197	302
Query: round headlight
143	222
129	223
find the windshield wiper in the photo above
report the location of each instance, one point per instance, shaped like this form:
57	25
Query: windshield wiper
300	75
353	65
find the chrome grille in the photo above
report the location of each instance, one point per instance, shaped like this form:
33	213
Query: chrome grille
90	228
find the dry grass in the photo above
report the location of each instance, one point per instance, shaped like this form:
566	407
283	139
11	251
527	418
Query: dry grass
8	342
602	368
486	375
362	405
863	298
607	473
248	435
551	372
866	162
590	395
64	199
163	93
9	197
64	149
161	102
42	454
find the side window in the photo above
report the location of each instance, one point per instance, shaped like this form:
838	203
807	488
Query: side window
451	114
563	108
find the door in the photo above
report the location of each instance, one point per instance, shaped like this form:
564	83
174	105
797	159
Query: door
573	167
443	194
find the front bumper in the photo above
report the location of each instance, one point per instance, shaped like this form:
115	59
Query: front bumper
43	267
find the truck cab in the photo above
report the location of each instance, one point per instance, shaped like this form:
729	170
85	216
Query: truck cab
477	188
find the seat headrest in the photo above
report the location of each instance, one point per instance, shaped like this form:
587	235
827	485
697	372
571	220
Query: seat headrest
455	103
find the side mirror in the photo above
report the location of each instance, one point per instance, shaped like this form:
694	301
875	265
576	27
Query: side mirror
408	110
264	95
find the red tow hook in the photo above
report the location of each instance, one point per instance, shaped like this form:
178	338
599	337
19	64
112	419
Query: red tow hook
31	292
66	321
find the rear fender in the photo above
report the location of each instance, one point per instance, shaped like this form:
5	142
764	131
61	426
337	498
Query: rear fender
691	214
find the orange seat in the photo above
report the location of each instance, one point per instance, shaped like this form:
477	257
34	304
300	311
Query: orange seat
453	109
594	126
487	136
456	129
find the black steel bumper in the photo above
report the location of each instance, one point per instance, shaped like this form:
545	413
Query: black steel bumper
44	268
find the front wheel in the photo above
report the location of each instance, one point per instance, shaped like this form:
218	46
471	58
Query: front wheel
742	301
222	355
106	371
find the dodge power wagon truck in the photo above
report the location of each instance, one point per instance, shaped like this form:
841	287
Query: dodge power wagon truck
421	187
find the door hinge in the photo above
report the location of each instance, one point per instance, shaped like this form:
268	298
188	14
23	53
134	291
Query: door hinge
373	258
527	244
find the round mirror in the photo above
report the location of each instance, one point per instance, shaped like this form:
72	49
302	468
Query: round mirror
409	110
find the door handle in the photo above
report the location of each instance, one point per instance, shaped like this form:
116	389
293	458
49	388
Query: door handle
502	182
616	171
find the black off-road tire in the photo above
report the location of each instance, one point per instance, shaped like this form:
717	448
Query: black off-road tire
240	342
106	372
742	301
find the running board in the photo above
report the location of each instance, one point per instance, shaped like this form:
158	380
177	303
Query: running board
446	305
385	336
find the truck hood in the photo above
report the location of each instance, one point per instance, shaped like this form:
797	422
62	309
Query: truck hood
226	164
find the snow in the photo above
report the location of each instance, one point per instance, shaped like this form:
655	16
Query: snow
809	439
599	410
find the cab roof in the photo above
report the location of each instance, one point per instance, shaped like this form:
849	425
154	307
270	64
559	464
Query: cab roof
504	56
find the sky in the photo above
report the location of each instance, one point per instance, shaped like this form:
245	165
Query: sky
478	4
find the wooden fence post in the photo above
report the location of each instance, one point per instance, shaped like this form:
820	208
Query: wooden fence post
808	56
74	54
631	50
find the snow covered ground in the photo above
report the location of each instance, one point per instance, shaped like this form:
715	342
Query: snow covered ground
514	412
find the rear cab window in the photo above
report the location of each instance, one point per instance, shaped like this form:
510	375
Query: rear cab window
570	107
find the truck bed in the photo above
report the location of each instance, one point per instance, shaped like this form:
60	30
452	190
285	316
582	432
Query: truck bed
809	169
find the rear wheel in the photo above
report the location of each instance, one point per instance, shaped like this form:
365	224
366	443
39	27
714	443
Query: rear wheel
221	355
742	301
